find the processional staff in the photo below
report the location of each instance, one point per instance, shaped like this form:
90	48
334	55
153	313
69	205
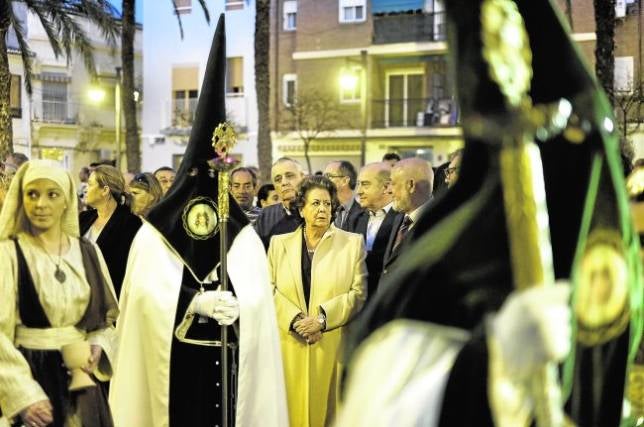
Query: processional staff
223	139
510	66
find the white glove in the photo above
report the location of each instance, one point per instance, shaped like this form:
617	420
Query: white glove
219	305
533	327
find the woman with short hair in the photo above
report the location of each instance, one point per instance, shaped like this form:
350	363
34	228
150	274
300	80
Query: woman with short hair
56	290
318	274
110	224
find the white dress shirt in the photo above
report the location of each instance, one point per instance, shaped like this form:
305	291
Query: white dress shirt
375	221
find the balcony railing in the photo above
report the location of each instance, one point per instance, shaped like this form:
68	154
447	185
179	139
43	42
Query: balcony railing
55	112
409	27
183	114
414	112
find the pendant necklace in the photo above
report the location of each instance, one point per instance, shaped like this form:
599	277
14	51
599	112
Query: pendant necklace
59	274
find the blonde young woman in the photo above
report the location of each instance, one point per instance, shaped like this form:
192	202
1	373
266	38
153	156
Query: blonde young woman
318	274
55	290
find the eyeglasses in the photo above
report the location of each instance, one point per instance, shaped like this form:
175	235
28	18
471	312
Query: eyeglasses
329	176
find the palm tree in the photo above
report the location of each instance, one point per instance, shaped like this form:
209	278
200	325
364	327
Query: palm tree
60	20
132	146
605	47
262	87
132	151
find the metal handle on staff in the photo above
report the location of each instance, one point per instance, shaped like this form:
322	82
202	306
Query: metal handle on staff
531	253
223	140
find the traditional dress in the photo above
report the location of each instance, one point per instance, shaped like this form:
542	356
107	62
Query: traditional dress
41	315
334	281
168	365
142	389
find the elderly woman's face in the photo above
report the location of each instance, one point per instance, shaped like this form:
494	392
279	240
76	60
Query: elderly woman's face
317	208
44	203
142	200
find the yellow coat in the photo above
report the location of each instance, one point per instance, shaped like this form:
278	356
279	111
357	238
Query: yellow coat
338	285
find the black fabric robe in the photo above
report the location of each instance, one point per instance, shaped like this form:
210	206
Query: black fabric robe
115	239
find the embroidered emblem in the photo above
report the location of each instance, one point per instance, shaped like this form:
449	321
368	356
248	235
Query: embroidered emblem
200	218
601	303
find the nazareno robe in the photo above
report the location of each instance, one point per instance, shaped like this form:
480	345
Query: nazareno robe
155	376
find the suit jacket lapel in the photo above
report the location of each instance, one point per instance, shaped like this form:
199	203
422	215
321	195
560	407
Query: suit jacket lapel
361	224
384	232
351	222
390	252
293	254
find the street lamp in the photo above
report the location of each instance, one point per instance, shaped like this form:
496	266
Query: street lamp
349	82
96	95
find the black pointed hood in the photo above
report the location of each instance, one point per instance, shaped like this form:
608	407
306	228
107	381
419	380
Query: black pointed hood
186	216
459	269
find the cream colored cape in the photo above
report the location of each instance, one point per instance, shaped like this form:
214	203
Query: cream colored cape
139	393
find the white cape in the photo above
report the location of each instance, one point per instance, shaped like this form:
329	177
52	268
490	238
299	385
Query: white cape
139	393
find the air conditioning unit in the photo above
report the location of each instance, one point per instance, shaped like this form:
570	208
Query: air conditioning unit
620	8
155	139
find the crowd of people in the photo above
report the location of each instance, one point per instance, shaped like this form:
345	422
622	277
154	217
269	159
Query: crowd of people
407	267
328	237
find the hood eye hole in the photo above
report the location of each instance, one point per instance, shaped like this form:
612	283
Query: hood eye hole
193	172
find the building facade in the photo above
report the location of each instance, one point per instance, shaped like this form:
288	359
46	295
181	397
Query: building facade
174	67
394	54
61	121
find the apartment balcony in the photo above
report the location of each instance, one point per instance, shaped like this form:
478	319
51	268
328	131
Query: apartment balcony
179	115
409	27
183	112
414	112
56	112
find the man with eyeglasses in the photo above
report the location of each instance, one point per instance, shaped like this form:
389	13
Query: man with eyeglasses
243	182
281	218
451	173
344	176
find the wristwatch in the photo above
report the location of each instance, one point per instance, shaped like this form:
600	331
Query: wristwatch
322	320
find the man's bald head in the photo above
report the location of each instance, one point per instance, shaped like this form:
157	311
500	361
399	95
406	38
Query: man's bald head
411	182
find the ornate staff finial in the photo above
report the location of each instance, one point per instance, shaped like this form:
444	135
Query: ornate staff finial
223	139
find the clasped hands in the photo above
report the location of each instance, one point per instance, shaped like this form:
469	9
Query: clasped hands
309	328
222	306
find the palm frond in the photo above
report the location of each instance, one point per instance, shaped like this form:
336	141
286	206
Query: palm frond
206	13
102	14
42	13
25	53
176	12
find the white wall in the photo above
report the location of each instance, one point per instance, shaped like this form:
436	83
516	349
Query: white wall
163	49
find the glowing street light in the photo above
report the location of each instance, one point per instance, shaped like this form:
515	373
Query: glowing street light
96	95
350	81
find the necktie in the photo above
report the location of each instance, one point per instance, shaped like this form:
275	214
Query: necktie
339	217
404	227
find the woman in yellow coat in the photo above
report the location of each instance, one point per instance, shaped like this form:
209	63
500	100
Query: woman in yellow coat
318	276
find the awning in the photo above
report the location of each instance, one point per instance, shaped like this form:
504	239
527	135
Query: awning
53	77
388	6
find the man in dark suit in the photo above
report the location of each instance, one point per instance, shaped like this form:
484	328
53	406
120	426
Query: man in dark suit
281	218
344	176
411	187
376	223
